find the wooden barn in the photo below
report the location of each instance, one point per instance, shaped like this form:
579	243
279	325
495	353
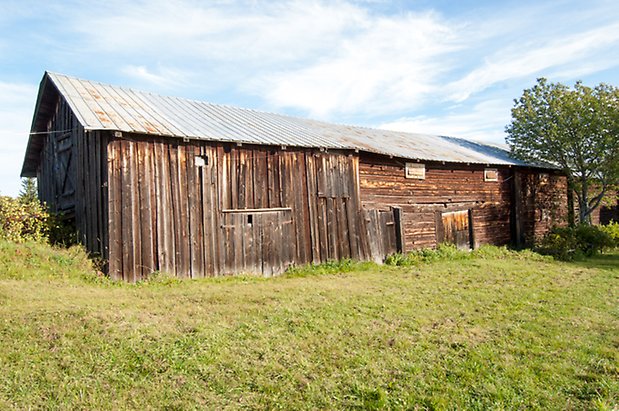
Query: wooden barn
157	183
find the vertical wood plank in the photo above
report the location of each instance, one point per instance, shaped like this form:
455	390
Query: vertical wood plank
135	222
175	183
184	266
145	177
399	234
219	192
332	230
128	265
312	200
194	211
116	212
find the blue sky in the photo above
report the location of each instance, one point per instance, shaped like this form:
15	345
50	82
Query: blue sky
441	67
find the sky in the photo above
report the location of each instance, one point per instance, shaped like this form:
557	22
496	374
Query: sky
438	67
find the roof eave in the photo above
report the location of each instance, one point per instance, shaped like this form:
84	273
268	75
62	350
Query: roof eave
36	141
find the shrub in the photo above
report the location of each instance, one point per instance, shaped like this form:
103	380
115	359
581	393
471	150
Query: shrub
61	230
568	243
612	229
23	221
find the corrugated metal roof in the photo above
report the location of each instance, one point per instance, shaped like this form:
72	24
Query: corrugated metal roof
104	107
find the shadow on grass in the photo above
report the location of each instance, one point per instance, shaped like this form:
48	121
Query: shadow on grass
606	261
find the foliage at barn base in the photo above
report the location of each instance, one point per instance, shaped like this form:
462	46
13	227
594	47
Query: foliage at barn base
571	243
576	129
22	221
25	218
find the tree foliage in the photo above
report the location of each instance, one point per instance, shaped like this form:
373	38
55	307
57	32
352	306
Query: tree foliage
576	129
23	221
28	192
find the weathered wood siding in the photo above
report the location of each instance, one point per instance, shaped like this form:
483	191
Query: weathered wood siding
72	176
198	209
459	187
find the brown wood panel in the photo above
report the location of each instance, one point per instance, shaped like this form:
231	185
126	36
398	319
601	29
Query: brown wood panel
128	202
195	204
312	207
212	240
115	206
145	179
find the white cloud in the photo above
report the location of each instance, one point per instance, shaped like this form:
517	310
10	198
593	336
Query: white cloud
393	64
530	58
162	77
483	122
317	56
260	32
16	103
328	59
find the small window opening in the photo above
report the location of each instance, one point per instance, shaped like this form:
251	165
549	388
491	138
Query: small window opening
491	174
250	219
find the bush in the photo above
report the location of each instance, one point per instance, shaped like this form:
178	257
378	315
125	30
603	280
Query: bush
23	220
61	230
612	229
568	243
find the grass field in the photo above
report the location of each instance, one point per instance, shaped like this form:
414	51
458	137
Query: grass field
493	332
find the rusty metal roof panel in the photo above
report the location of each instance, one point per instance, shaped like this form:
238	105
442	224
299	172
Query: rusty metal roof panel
104	107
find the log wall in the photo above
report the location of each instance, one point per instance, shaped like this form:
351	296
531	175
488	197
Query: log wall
445	188
459	187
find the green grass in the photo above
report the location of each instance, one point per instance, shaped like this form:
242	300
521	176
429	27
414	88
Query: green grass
495	330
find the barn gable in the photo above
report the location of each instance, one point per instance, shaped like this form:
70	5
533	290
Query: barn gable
195	189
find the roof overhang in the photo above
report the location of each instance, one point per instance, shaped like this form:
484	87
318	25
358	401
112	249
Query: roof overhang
44	107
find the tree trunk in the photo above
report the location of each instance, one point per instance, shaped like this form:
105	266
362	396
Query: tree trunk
583	203
570	202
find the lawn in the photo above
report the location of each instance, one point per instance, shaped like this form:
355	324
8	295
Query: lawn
493	332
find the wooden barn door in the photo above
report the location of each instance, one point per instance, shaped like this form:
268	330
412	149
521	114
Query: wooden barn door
258	240
383	232
64	171
455	227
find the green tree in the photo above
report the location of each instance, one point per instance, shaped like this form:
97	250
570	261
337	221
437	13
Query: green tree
577	129
28	192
